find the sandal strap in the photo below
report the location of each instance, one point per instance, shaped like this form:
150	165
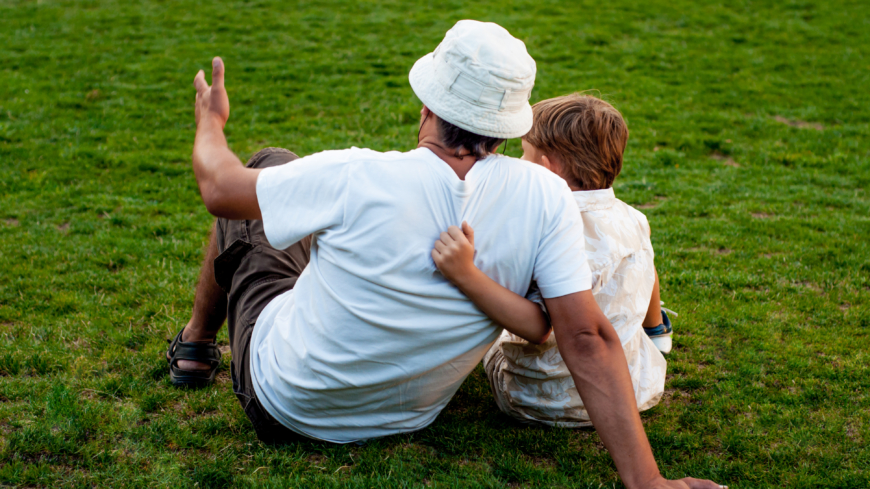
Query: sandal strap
197	352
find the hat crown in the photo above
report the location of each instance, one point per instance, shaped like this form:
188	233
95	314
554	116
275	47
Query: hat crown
484	64
480	78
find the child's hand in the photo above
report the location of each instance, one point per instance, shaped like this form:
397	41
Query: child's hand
454	253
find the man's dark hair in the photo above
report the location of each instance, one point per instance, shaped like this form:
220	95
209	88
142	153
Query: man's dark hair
459	139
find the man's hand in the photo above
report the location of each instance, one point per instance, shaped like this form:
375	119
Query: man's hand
228	189
212	101
686	483
454	253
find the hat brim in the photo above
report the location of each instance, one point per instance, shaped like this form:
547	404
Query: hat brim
502	124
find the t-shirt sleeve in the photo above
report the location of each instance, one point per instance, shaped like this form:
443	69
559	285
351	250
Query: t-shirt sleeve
303	197
534	295
561	266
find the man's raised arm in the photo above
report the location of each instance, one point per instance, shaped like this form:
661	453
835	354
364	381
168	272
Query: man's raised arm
228	189
592	350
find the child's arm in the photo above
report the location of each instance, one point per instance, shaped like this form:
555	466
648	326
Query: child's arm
454	256
654	312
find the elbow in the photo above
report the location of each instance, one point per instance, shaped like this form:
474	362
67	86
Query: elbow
208	190
590	337
545	328
212	206
540	340
211	199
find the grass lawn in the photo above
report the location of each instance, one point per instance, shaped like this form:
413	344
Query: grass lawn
749	153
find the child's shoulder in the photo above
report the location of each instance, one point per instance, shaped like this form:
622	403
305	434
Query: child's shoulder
606	211
613	232
638	216
635	217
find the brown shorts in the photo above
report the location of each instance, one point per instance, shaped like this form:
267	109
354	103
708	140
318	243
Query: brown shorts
252	273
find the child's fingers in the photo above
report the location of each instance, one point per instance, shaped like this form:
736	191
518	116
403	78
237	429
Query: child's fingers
438	258
468	231
456	234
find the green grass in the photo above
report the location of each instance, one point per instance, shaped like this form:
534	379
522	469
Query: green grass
749	153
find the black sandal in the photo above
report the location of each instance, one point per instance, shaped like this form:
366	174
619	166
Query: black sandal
196	352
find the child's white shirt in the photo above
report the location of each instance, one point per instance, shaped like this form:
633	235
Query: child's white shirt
531	382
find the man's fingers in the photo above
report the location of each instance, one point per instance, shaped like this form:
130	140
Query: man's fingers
199	82
440	246
701	483
217	72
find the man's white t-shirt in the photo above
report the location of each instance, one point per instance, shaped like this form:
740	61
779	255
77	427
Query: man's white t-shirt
373	340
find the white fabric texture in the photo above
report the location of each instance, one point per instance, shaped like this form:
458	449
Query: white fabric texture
373	340
480	78
531	382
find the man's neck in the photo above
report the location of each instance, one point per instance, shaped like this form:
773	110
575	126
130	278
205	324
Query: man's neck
460	165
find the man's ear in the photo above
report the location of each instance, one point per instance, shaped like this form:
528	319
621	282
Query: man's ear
425	116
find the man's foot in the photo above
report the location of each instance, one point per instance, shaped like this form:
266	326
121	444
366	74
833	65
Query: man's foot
661	334
193	360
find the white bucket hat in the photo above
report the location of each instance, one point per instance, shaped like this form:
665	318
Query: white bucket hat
479	78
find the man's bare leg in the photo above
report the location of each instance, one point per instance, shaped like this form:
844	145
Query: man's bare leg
209	306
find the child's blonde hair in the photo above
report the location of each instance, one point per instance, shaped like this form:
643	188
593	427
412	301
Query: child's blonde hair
587	134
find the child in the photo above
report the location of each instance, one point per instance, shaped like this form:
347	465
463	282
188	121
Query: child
581	139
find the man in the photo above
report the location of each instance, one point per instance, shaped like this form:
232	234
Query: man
367	338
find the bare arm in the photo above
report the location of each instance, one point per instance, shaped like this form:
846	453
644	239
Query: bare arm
593	353
454	256
228	189
654	312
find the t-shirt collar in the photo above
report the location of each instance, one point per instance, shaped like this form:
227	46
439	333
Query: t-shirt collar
591	200
449	176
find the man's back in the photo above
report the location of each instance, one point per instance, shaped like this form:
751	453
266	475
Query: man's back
373	340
